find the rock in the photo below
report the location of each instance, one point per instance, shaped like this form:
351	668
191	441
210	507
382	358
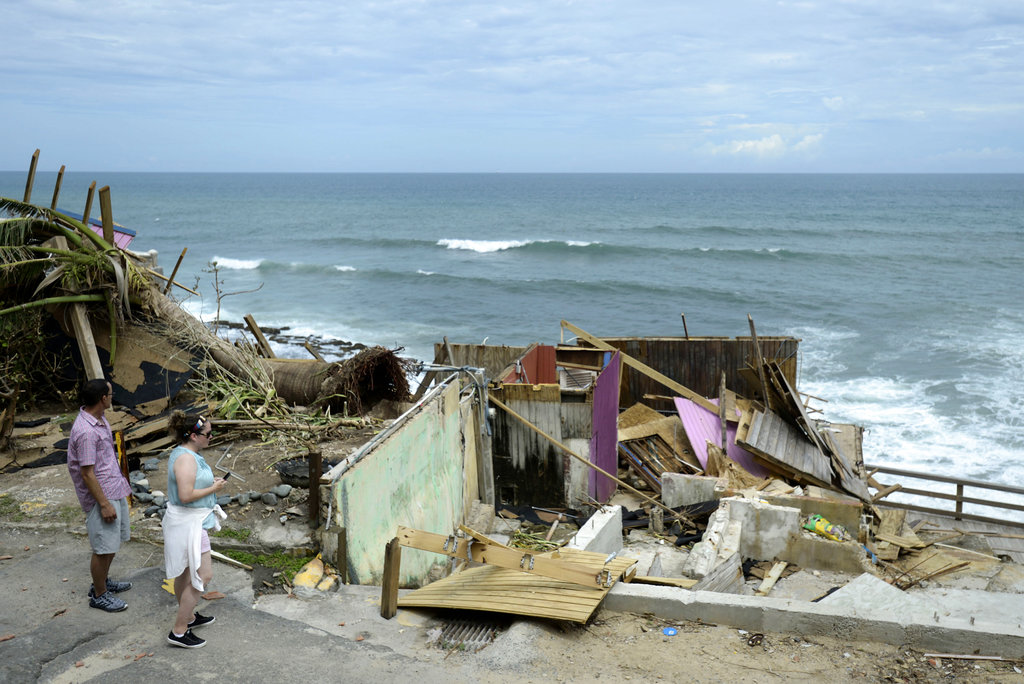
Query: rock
282	490
269	498
136	476
151	464
224	499
141	486
151	511
243	498
143	497
159	500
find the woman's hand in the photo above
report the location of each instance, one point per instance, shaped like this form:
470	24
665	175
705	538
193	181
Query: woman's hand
219	483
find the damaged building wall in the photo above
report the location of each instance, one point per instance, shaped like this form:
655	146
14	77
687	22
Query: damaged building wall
418	477
529	469
698	363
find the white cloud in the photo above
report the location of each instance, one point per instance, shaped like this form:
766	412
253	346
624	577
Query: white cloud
833	103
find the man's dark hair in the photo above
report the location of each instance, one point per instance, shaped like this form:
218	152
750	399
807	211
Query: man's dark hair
93	391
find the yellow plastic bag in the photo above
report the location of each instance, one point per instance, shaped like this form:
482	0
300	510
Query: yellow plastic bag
819	525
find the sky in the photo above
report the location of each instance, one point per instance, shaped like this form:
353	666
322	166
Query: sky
550	86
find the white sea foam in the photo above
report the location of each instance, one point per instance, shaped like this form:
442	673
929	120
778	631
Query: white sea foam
345	269
237	264
426	273
486	246
482	246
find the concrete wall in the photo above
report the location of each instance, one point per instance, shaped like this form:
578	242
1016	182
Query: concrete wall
416	477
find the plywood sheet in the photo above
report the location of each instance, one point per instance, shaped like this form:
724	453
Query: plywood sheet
784	447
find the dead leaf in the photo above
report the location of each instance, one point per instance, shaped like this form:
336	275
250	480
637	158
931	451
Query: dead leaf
27	548
80	663
211	595
360	638
341	624
6	557
6	637
142	655
64	580
60	612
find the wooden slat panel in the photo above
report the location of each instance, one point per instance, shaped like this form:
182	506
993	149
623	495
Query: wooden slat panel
781	446
500	590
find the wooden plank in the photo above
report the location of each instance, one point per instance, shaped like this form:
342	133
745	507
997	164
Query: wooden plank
771	578
88	204
389	582
106	214
891	521
681	582
261	340
56	187
83	329
643	368
726	577
500	556
902	541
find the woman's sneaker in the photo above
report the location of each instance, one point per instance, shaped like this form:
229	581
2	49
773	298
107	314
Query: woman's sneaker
186	640
200	620
108	602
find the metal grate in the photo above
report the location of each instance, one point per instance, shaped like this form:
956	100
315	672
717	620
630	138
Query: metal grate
467	635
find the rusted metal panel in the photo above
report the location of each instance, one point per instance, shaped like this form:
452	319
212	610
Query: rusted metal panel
703	426
698	363
536	367
529	469
493	358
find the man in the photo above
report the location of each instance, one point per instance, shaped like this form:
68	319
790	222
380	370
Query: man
102	490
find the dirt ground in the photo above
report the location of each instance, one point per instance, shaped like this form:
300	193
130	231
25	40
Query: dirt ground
611	647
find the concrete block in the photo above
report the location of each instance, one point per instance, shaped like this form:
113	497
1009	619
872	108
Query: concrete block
845	511
678	489
767	530
602	533
704	555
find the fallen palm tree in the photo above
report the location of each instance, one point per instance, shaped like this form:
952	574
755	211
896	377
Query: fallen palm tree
53	261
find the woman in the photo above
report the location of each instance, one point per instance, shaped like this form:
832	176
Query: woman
191	508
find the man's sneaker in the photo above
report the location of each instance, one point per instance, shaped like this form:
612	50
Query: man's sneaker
107	602
116	587
200	620
186	640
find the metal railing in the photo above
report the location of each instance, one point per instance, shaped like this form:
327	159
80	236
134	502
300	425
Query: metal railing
958	498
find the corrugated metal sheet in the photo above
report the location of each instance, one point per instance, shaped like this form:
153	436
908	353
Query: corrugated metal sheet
493	359
698	363
703	426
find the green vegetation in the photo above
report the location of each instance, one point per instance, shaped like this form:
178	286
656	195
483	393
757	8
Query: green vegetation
287	565
10	508
69	514
241	535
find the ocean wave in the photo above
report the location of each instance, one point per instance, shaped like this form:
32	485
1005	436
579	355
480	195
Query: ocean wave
489	246
237	264
345	269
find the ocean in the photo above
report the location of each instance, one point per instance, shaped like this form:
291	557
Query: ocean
904	289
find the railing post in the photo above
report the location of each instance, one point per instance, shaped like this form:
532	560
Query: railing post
959	502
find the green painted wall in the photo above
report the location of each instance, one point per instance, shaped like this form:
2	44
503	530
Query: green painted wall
413	478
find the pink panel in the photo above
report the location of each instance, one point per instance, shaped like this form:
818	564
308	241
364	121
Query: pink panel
604	441
703	426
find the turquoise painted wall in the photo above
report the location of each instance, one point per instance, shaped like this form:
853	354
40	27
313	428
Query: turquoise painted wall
413	478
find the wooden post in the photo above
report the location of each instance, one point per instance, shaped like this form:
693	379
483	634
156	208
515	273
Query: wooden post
261	341
88	204
685	331
959	502
389	583
760	363
315	471
83	331
56	188
31	176
170	281
106	215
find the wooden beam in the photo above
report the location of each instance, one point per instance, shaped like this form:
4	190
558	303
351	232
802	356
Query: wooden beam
771	578
314	352
56	187
83	330
31	176
643	368
501	556
261	341
389	582
88	204
177	265
760	364
886	492
106	214
161	276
